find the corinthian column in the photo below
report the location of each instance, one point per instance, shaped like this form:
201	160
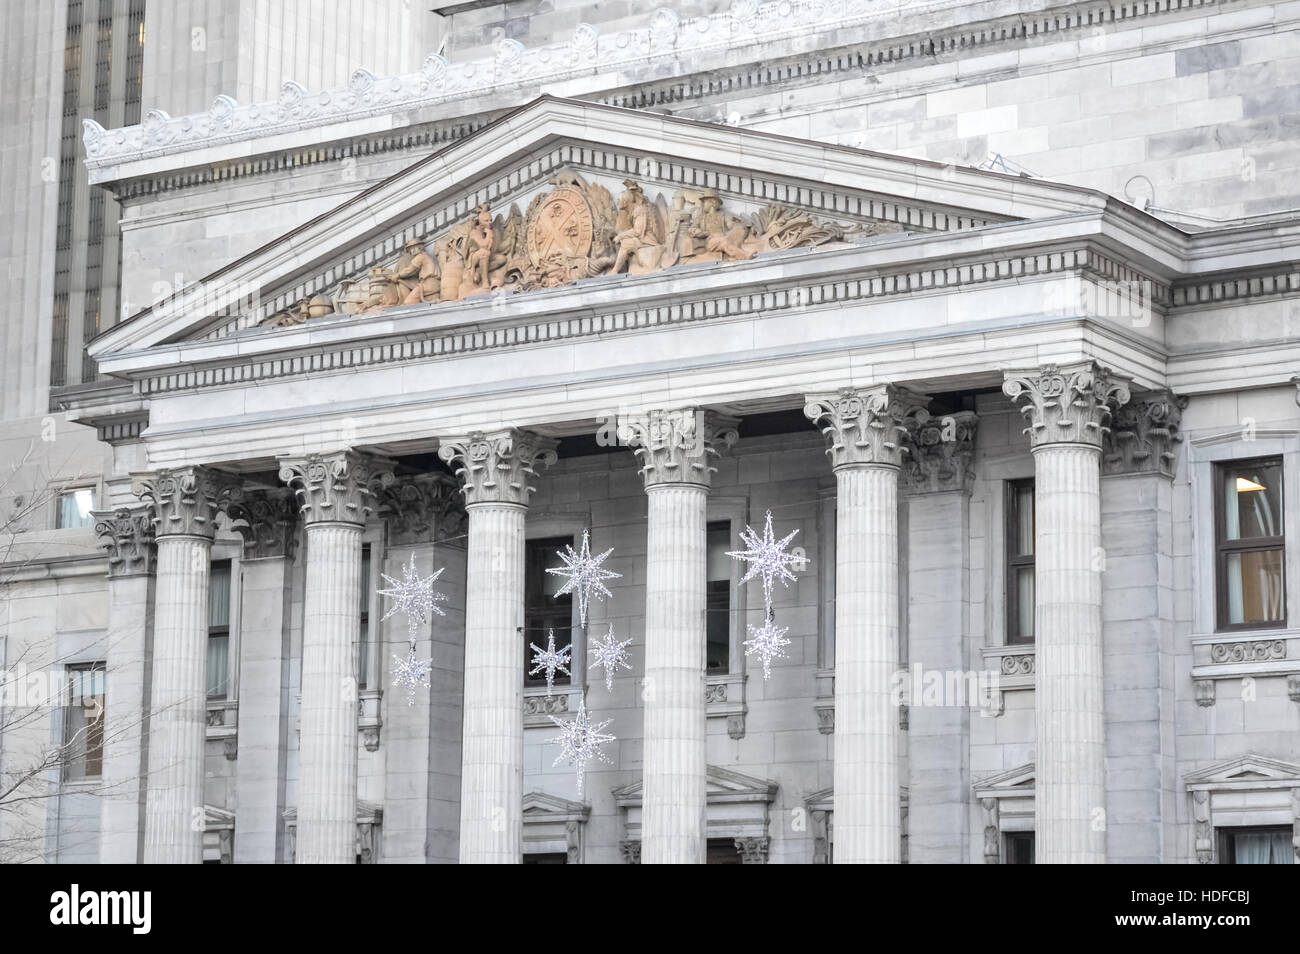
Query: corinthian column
674	448
866	432
1068	409
495	469
185	504
334	497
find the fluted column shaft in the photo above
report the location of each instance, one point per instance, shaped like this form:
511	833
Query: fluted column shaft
495	470
1068	410
867	800
492	761
673	802
675	448
174	817
327	775
335	494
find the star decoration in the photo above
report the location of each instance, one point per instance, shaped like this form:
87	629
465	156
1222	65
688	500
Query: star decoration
610	655
413	596
767	557
586	575
411	673
548	660
767	642
580	741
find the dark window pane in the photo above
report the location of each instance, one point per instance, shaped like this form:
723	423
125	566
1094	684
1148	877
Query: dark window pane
718	597
547	858
1254	586
1252	495
1019	848
722	851
544	608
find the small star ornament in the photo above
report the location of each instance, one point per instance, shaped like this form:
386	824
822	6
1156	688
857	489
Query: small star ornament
580	741
767	642
767	557
586	575
609	654
411	673
549	660
413	595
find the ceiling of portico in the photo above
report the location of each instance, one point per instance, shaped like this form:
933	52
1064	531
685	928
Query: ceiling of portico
592	166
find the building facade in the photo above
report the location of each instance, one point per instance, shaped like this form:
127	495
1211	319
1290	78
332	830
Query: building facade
994	304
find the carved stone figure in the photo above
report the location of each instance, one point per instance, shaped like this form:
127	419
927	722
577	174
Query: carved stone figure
383	291
478	253
423	268
637	237
716	236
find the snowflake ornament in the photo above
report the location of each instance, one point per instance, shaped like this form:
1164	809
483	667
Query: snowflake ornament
767	642
411	672
580	741
548	660
767	557
413	595
610	655
586	575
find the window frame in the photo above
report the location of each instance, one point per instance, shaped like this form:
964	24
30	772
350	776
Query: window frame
227	630
65	489
1224	839
551	543
1012	631
1224	547
65	774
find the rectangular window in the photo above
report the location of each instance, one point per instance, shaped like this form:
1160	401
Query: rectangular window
546	858
544	608
363	640
74	508
1018	848
1020	561
718	597
83	723
1256	846
219	630
1250	544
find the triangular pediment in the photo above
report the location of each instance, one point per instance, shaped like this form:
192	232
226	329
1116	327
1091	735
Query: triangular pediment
1017	781
576	193
722	785
1248	771
541	806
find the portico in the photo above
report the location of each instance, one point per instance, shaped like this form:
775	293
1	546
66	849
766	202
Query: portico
908	295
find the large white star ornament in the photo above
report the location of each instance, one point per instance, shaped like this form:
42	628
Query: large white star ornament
586	575
548	660
413	595
767	642
580	741
411	673
609	654
767	557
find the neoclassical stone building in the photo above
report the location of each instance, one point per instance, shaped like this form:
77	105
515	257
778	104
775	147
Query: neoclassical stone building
1040	445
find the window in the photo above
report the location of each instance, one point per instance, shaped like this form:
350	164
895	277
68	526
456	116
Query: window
544	609
74	508
721	851
83	723
718	597
1020	561
1018	848
219	631
363	640
1256	846
546	858
1250	544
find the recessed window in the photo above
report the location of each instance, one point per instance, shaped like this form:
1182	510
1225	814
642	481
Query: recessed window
73	509
1020	561
718	597
546	858
219	630
544	608
1256	846
722	851
1250	544
363	639
83	723
1018	848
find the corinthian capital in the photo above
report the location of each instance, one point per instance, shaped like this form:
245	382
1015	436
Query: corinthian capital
127	535
1144	435
268	522
422	509
939	453
1066	405
184	501
337	487
867	425
496	467
677	446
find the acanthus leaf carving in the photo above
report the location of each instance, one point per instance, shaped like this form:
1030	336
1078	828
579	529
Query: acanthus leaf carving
1066	404
268	522
497	467
127	535
677	446
422	509
940	451
336	487
185	501
1144	434
868	425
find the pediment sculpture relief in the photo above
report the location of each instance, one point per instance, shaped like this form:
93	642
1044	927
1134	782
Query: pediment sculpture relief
574	231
